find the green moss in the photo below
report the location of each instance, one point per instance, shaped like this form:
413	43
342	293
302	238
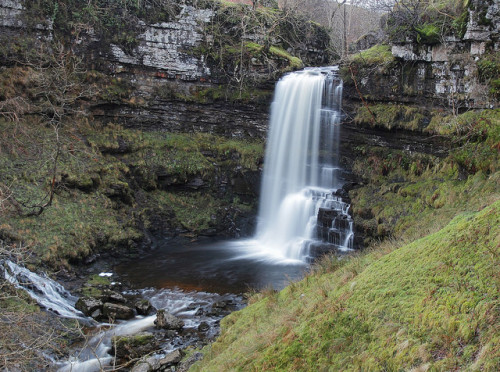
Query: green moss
96	280
134	341
428	33
428	303
378	54
294	62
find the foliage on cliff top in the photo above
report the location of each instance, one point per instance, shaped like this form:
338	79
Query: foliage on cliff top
426	22
378	54
243	44
429	304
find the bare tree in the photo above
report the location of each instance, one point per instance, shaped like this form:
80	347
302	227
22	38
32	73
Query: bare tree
56	83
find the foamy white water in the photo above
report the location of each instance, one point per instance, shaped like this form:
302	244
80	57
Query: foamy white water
46	292
300	170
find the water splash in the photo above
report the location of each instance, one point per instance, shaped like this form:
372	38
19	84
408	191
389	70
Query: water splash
301	171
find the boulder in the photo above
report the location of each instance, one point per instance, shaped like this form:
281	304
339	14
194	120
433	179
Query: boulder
171	359
220	304
146	365
88	305
116	311
167	321
143	307
203	327
112	296
132	347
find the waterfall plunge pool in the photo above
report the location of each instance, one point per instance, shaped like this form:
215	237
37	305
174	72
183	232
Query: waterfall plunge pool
235	266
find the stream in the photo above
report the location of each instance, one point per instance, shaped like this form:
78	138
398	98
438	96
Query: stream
200	283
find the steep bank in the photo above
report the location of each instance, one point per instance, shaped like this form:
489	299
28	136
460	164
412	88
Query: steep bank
112	190
427	305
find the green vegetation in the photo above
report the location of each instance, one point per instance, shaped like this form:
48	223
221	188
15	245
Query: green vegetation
489	72
110	183
426	22
378	54
241	59
369	63
428	33
405	192
391	116
294	62
475	136
424	298
204	95
429	304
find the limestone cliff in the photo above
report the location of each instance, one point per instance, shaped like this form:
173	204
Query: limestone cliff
188	55
436	70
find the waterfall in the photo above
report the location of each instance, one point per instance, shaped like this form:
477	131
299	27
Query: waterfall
46	292
301	172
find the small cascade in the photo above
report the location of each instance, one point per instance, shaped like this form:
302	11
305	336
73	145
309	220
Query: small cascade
46	292
301	172
192	307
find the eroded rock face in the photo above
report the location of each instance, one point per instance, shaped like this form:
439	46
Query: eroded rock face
165	46
226	119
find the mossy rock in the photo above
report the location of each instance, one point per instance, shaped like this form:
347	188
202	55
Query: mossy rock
135	346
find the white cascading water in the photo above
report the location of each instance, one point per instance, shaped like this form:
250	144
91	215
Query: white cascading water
300	168
46	292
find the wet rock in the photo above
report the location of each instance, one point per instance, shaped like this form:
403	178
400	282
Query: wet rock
112	296
96	314
342	194
171	359
88	305
143	307
117	311
146	365
220	304
199	312
131	347
167	321
215	311
203	327
170	334
186	364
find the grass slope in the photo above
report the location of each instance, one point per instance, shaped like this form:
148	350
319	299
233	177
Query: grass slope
432	304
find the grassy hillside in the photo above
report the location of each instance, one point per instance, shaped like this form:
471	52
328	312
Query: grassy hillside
111	186
424	298
432	304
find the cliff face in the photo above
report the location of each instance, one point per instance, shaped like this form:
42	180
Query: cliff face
443	71
201	66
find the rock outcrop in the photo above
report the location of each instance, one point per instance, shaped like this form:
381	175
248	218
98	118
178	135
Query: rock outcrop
441	73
